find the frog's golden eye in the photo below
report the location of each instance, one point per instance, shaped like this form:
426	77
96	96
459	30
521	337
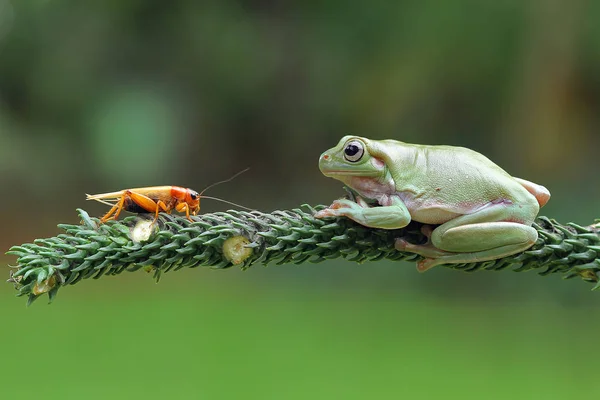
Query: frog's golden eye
353	151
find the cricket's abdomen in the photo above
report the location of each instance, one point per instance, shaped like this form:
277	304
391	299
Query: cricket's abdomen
133	207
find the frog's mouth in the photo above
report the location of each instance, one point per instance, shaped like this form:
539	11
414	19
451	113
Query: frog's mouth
369	173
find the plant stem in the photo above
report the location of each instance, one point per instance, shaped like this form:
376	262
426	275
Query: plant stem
225	239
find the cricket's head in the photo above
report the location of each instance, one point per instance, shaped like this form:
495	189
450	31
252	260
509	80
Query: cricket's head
192	198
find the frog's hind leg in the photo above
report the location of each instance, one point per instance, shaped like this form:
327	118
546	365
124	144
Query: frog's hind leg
495	231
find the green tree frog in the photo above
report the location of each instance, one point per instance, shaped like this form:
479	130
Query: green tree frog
472	209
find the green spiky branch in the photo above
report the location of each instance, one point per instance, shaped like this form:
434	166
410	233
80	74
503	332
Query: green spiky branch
225	239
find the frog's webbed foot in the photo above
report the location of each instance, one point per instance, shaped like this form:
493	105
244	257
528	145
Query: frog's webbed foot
428	250
343	207
338	208
427	263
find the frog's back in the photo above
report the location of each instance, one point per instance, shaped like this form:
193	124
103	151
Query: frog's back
453	179
460	162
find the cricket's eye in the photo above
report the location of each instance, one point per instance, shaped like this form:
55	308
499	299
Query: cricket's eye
353	151
194	195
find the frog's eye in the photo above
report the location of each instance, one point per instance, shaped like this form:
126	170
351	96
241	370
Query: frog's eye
353	151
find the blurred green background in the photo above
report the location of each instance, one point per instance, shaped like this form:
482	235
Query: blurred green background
99	96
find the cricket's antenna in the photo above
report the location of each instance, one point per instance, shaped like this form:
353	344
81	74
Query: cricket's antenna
225	181
228	202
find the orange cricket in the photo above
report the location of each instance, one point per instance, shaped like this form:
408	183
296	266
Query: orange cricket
155	199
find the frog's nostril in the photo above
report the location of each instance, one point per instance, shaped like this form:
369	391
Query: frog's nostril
325	156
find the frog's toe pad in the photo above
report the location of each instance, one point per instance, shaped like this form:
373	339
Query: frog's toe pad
401	244
328	212
426	264
342	203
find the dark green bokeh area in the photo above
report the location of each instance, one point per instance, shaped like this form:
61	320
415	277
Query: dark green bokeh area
100	96
210	335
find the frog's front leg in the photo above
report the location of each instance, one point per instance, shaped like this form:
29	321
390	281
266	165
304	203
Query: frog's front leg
487	234
393	215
